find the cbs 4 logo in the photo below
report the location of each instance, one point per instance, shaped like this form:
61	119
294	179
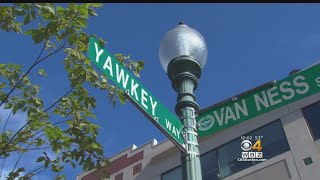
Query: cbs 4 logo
246	145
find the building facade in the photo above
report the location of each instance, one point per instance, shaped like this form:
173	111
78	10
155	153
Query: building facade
289	141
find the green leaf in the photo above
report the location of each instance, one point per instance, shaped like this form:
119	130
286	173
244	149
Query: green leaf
140	64
16	28
39	142
19	12
48	9
27	19
95	146
72	38
82	22
21	169
37	36
95	74
136	72
33	14
52	27
38	102
25	6
102	42
60	10
72	164
2	85
122	97
35	89
46	163
13	175
8	106
28	32
96	5
114	103
83	11
60	176
42	72
50	133
15	109
56	168
92	12
40	159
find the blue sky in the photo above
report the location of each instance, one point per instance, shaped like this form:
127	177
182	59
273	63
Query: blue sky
248	45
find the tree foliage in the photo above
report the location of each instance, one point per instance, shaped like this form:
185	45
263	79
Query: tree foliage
57	29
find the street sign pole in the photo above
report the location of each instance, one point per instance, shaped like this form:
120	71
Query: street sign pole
184	73
155	121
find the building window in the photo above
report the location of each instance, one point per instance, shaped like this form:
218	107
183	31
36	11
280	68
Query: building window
312	115
172	174
273	143
119	176
223	161
228	155
137	168
209	166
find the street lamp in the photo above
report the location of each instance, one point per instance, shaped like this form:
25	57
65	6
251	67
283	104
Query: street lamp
183	53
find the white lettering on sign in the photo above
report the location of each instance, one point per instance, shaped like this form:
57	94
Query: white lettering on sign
219	118
229	114
134	89
143	98
123	78
301	84
120	76
233	112
263	101
318	81
136	93
98	52
271	96
108	64
172	128
286	90
243	109
153	105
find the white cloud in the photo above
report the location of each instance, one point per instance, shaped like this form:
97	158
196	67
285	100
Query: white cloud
28	160
15	121
6	170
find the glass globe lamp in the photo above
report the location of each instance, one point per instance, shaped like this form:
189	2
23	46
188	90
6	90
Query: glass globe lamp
182	41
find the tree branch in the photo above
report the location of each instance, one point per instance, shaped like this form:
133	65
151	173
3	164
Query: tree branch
5	158
25	125
15	165
64	43
25	74
37	170
5	125
11	145
60	99
37	61
34	171
31	149
60	122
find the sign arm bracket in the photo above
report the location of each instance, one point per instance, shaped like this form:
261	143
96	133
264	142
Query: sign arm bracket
154	121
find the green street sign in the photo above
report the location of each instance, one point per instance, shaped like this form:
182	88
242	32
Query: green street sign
158	114
252	104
